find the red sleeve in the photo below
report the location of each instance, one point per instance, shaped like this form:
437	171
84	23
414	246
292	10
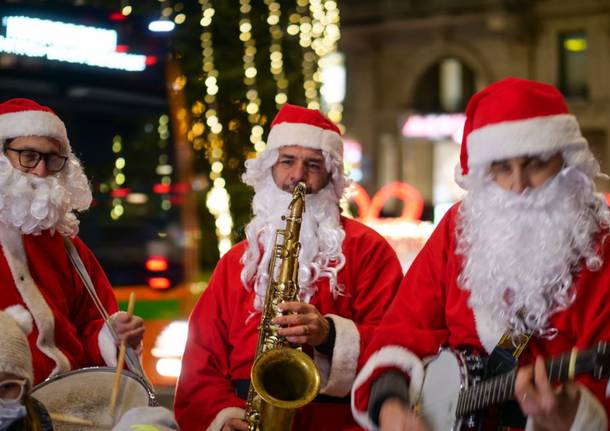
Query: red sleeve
373	273
85	315
377	276
414	325
204	387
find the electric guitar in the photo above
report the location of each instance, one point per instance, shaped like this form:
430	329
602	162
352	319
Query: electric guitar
451	393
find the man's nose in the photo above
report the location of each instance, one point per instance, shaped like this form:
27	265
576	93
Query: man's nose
520	180
40	170
298	173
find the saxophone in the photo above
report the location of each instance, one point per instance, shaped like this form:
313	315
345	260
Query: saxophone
283	378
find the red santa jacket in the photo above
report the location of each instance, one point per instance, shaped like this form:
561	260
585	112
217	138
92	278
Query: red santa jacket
35	273
431	310
223	334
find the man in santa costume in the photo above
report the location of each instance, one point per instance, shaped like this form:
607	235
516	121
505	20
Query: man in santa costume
42	184
523	251
347	277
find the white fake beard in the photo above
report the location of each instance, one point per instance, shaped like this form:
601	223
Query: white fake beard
521	250
321	239
33	204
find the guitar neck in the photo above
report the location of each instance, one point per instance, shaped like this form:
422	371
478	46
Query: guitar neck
501	388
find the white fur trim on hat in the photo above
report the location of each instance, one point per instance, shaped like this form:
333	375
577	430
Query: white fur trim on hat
340	373
522	138
304	135
33	123
388	357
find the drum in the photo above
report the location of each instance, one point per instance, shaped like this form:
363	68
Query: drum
80	399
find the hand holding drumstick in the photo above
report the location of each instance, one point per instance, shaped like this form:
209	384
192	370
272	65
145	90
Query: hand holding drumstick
120	360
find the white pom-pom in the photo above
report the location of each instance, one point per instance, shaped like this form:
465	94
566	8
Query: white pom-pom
22	316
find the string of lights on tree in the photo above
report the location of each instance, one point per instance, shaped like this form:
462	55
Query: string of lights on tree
217	199
164	169
276	57
253	100
316	25
119	179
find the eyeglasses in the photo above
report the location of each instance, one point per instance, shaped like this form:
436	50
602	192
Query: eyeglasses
12	389
30	159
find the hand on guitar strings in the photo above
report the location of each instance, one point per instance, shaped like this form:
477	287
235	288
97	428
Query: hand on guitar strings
302	324
129	328
550	408
396	416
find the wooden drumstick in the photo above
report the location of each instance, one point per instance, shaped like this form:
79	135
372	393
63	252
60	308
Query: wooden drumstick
120	360
60	417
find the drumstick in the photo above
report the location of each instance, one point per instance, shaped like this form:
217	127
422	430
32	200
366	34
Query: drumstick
120	360
60	417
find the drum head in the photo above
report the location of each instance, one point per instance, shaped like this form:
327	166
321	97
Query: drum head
85	394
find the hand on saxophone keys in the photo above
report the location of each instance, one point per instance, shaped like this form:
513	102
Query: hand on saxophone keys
302	324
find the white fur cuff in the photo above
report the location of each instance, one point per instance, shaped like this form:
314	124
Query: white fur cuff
108	349
224	415
337	378
590	416
388	357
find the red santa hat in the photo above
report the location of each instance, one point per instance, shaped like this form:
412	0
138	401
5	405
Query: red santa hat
516	117
295	125
24	117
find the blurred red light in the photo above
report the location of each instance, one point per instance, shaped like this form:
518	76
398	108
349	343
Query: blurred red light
159	283
151	60
117	16
161	189
122	48
119	193
156	263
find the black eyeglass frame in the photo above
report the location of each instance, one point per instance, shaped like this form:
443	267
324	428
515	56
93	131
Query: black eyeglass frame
41	156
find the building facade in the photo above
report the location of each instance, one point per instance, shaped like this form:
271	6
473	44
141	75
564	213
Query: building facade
422	60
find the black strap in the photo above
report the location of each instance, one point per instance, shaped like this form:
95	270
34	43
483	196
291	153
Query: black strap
503	359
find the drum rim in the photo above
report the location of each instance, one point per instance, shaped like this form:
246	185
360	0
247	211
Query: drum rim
152	396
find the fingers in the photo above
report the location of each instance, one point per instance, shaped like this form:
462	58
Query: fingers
297	307
546	395
129	329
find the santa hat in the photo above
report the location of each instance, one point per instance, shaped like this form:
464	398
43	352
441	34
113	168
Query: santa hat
15	356
24	117
516	117
295	125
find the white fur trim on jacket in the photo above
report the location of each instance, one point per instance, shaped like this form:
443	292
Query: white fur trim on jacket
224	415
523	137
388	356
488	329
14	252
338	376
590	416
304	135
33	123
108	349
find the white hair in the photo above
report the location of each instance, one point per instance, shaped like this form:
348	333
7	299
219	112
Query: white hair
33	204
321	237
521	250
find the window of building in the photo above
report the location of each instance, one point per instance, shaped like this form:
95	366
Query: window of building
445	87
573	48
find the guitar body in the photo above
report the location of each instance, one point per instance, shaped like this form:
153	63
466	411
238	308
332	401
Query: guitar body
447	374
454	394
